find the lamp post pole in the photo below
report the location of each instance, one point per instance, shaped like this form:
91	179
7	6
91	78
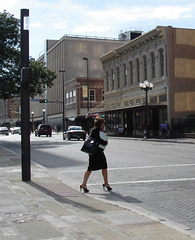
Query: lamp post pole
63	103
25	106
32	113
87	60
146	86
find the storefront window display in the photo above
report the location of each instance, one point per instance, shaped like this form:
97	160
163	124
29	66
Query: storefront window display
113	122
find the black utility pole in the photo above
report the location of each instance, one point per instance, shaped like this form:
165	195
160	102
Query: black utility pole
63	106
87	60
25	108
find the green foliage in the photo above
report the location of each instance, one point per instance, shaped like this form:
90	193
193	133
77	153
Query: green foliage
9	55
10	62
41	77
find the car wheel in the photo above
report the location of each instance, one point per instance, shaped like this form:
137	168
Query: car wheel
50	135
64	138
38	135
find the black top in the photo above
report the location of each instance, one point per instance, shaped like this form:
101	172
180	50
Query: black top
97	161
95	133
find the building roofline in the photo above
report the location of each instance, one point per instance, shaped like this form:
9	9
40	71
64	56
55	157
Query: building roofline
159	30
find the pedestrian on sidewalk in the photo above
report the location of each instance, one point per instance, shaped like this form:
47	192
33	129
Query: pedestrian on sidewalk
97	161
164	130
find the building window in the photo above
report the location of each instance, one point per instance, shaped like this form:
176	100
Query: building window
153	64
67	98
107	81
145	67
125	74
131	72
102	95
92	95
70	95
74	96
112	74
138	70
161	62
118	77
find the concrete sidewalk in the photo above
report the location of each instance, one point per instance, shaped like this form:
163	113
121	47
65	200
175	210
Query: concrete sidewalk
47	208
163	140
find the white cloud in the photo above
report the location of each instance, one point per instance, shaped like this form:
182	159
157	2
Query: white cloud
59	25
36	25
141	13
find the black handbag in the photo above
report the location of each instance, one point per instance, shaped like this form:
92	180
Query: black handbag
90	146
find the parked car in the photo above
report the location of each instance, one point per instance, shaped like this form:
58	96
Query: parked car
43	129
74	132
4	130
15	130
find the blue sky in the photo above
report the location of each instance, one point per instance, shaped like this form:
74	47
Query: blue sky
51	19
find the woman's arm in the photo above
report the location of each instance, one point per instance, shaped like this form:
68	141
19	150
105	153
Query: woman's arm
96	134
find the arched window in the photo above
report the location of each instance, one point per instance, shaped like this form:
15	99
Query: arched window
161	55
118	77
145	67
125	74
112	75
153	65
107	81
138	69
131	71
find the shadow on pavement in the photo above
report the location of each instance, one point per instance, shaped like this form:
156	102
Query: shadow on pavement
73	200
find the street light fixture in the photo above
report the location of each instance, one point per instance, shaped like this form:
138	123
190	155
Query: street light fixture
146	86
63	114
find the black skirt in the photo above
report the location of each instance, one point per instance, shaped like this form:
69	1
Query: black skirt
98	161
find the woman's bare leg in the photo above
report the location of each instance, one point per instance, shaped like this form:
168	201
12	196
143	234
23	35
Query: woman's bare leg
105	176
85	179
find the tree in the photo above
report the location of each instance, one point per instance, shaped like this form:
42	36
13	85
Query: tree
41	77
9	55
10	62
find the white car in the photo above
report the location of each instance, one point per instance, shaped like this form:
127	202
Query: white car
4	130
15	130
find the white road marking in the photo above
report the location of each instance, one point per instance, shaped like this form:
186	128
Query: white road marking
149	181
140	167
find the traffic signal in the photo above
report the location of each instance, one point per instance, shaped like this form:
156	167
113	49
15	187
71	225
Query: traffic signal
43	100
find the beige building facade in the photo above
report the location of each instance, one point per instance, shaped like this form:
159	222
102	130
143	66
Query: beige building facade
67	54
164	56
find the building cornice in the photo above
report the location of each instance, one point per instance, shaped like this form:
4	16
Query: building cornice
157	32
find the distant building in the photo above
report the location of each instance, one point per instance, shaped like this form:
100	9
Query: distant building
67	54
164	56
76	99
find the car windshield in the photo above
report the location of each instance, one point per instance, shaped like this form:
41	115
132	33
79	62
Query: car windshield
45	126
75	128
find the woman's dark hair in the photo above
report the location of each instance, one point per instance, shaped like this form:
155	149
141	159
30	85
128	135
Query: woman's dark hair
98	121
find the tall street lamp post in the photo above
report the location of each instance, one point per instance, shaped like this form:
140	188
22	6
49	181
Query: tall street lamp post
87	60
146	86
63	103
32	113
25	85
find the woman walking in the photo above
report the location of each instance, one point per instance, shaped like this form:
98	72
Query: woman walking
97	161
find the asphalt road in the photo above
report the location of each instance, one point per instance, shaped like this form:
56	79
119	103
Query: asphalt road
158	177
